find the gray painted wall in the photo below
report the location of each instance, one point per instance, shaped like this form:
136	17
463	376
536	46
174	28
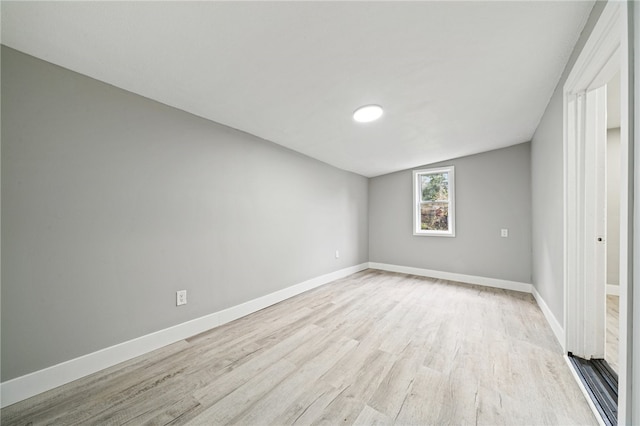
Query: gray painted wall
112	202
547	189
493	191
613	206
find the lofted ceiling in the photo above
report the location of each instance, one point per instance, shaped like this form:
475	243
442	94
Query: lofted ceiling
454	78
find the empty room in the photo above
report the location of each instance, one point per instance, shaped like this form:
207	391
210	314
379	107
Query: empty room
319	212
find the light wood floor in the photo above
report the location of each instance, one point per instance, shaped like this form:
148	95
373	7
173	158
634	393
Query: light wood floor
611	348
373	348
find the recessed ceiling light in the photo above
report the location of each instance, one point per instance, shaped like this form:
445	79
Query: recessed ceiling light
367	113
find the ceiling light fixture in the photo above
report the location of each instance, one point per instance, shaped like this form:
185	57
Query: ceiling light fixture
367	113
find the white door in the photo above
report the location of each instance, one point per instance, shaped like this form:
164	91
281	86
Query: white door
586	223
595	222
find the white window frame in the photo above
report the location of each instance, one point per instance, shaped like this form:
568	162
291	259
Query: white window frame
417	196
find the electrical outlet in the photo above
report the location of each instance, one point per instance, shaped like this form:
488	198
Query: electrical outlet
337	254
504	233
181	297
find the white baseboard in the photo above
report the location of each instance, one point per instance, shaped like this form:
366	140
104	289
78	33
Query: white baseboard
451	276
555	325
32	384
613	289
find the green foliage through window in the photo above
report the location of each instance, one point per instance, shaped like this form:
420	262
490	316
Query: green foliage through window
434	201
435	187
434	216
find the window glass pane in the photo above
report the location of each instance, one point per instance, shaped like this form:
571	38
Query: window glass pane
435	187
434	216
433	201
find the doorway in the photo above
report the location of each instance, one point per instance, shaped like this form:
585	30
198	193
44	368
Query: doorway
587	245
612	244
597	364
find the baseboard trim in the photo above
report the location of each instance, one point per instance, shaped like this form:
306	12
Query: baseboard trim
613	289
553	322
451	276
32	384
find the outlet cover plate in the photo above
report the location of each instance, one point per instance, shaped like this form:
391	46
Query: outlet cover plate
181	297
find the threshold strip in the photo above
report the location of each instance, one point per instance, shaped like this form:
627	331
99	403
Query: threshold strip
601	383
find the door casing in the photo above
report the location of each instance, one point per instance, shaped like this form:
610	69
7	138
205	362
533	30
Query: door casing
604	53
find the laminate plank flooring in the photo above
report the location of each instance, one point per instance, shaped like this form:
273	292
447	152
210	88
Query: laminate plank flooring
372	348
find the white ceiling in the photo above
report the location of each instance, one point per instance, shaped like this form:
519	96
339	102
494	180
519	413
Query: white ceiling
455	78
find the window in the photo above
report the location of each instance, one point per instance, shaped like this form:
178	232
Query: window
433	195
